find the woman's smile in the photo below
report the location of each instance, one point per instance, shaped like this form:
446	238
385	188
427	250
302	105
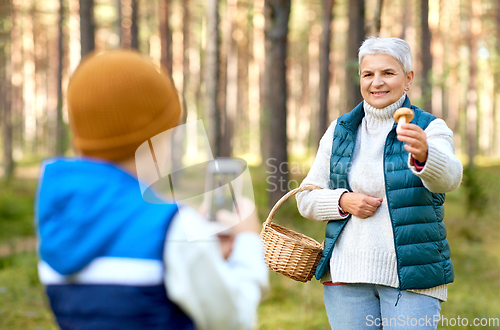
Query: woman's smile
380	93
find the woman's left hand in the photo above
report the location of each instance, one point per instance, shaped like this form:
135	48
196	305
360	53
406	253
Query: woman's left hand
416	139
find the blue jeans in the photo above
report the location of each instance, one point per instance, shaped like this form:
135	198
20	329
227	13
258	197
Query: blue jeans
361	306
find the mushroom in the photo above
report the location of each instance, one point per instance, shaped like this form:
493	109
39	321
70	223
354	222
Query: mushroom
402	116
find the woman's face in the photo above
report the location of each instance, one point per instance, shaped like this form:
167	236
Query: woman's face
383	80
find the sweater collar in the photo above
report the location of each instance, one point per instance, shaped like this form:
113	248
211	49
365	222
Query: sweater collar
352	119
375	117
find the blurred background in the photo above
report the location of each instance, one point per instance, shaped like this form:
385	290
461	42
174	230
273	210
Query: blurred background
266	77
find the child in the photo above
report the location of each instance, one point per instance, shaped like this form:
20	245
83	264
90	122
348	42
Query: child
110	260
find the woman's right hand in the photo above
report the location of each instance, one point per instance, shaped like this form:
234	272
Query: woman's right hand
359	205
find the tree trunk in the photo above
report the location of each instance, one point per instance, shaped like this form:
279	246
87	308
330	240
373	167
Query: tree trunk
199	96
165	36
405	19
60	126
305	110
36	70
355	38
177	144
256	82
185	57
16	66
8	159
496	88
212	76
377	24
324	71
426	57
5	88
244	54
134	28
222	92
231	81
473	31
87	26
265	114
455	101
445	61
277	13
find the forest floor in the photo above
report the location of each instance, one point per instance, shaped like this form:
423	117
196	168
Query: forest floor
474	239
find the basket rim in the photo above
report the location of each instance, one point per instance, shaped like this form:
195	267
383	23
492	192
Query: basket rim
291	193
268	228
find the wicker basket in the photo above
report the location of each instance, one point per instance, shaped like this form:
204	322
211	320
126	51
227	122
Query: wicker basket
288	252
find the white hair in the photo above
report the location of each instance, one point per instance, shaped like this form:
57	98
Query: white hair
395	47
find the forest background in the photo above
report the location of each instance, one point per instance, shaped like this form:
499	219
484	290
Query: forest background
267	77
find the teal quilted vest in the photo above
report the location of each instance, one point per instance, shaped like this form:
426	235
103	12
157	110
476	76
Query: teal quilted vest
422	251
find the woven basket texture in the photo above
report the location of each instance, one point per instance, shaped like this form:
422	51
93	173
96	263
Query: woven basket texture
287	252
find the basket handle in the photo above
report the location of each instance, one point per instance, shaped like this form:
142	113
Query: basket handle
285	197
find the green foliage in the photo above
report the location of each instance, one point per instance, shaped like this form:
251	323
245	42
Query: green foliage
293	305
23	304
482	189
16	208
474	238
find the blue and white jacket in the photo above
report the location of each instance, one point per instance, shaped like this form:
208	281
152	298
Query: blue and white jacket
101	249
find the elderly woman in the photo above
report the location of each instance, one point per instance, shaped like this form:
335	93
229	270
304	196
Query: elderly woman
386	260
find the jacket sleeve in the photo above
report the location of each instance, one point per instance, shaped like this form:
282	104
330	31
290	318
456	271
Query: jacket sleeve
442	171
215	293
321	204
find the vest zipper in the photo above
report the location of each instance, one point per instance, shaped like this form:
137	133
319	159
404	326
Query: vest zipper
390	216
399	296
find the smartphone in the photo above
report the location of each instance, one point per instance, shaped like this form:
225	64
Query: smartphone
223	185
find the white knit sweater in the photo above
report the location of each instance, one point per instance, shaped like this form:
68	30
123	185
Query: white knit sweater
364	251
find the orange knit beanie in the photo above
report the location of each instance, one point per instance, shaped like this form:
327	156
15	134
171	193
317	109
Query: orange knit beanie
116	101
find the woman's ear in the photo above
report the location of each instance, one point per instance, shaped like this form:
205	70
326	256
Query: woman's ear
409	79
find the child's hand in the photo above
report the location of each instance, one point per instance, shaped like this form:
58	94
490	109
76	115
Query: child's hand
226	245
250	224
416	139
